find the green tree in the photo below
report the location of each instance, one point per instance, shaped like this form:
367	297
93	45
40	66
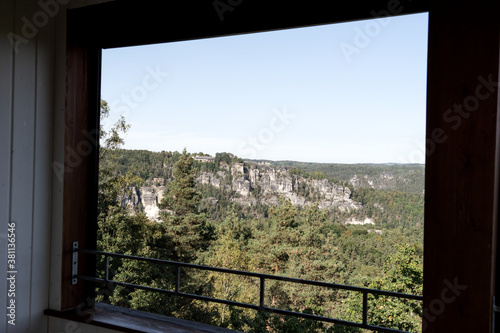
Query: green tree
402	273
228	251
111	185
182	223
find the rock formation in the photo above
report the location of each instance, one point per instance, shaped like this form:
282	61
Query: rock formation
146	197
252	183
267	183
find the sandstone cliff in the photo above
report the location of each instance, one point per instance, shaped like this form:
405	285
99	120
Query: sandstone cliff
253	183
262	183
145	199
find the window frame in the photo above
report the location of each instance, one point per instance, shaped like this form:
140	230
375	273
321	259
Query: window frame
93	28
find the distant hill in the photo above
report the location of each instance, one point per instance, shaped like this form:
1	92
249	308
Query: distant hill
389	194
408	178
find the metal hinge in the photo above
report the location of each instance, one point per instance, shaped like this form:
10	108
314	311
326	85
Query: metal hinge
74	269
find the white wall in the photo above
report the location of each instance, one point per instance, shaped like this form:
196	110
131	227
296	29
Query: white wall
26	126
32	90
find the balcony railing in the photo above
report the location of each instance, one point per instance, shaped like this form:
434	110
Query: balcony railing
263	277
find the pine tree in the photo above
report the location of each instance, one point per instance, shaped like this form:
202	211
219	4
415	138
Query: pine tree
230	251
183	224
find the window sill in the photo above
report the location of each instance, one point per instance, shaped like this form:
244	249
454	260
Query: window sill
134	321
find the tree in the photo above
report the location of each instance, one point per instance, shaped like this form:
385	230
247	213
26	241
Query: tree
113	138
182	223
111	185
229	251
181	196
403	273
117	230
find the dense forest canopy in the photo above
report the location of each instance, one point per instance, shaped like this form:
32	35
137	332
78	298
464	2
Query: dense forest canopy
285	239
402	177
407	178
359	225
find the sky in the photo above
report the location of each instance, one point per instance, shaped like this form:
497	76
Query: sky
342	93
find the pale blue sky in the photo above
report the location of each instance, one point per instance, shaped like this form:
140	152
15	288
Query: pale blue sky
225	94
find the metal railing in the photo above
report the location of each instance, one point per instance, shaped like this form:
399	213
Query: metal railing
262	277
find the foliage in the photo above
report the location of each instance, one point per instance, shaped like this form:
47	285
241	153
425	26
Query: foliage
203	224
392	208
229	251
402	273
111	184
182	222
407	178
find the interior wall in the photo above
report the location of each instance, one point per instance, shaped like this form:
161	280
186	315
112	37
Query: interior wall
6	64
32	102
26	84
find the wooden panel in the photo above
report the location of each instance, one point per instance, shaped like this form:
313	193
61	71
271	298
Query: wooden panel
75	175
43	176
23	146
58	160
80	176
25	174
462	123
6	69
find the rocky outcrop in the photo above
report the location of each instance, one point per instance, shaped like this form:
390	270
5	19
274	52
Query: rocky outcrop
252	183
358	222
237	169
241	186
148	197
209	178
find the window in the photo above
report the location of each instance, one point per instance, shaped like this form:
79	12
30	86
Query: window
109	36
338	106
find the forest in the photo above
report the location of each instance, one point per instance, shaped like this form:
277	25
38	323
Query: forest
280	238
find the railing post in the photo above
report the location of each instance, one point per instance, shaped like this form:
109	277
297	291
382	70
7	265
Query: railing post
178	279
106	272
365	307
262	292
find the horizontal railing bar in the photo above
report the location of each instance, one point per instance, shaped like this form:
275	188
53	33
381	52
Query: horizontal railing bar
245	305
170	292
257	275
335	321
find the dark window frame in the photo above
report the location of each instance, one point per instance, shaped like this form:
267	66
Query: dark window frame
93	28
129	23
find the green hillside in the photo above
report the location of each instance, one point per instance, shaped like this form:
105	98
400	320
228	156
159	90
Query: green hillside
239	214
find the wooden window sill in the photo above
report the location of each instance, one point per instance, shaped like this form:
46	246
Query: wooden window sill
134	321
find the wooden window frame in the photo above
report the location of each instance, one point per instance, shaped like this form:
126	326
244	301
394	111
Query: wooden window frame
455	224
